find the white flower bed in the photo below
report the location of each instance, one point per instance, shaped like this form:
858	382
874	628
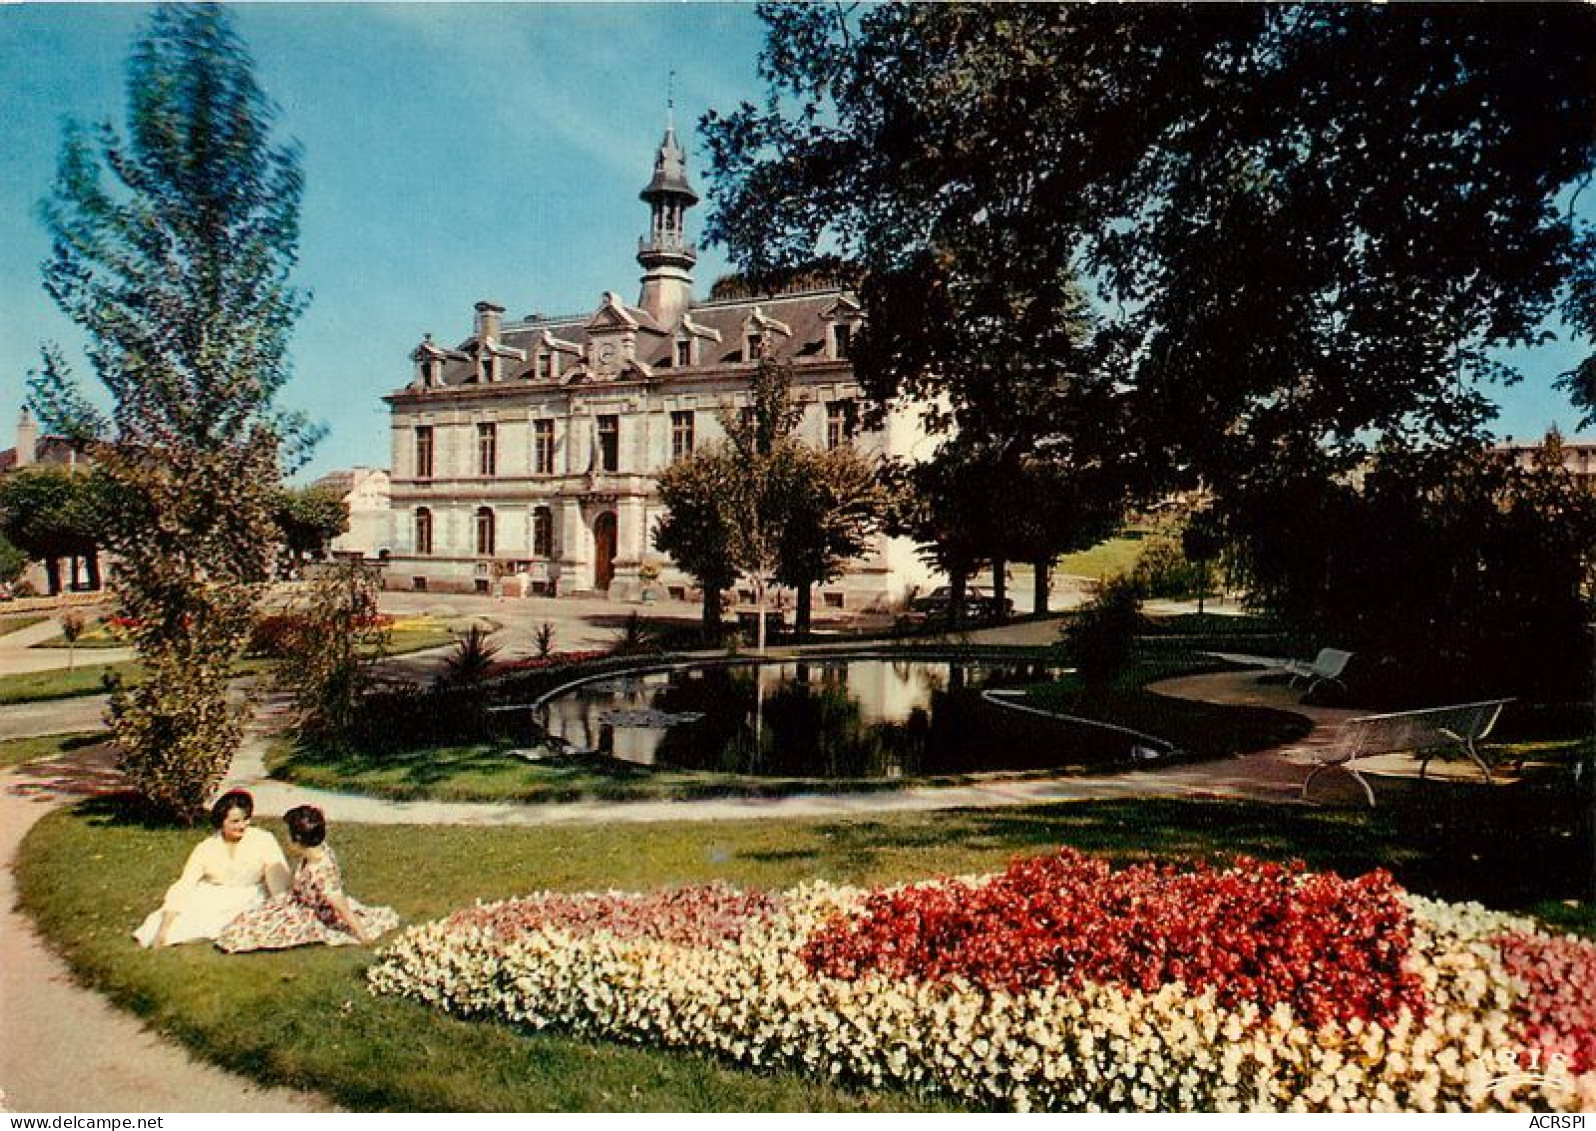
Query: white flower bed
749	996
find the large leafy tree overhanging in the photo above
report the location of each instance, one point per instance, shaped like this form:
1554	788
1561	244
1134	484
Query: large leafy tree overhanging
1304	226
172	249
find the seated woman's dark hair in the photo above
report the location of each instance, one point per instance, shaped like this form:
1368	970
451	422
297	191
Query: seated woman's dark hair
306	826
227	802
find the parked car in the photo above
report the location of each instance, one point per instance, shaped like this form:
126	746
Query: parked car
978	604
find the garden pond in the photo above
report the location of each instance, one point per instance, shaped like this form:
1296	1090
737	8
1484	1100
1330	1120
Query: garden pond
830	718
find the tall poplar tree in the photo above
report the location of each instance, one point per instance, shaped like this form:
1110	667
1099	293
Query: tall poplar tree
172	249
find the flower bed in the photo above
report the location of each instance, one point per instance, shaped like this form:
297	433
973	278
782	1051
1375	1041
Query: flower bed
544	663
1057	984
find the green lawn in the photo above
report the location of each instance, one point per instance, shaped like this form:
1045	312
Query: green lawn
96	634
1204	730
84	679
86	676
410	634
1106	559
15	751
303	1018
19	621
418	633
492	774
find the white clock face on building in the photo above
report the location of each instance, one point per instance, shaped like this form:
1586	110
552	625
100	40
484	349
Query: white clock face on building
607	353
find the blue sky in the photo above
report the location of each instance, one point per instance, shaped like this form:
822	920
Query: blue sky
452	152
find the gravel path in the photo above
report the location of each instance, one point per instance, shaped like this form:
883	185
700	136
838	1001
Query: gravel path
63	1048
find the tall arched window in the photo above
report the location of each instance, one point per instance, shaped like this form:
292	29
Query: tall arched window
484	532
542	533
423	531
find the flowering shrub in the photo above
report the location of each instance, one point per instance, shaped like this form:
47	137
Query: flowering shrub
898	987
272	634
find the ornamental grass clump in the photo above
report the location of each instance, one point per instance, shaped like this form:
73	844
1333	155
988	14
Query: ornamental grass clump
1057	984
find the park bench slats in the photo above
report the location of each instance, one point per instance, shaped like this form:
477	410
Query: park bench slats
1427	731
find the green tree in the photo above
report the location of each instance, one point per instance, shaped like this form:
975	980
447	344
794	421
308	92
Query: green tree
1304	227
763	505
1465	571
1202	540
836	507
172	249
309	518
945	505
334	639
696	528
52	513
12	560
72	629
1051	507
767	490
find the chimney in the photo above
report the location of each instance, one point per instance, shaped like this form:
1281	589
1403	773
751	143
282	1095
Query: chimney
27	439
489	317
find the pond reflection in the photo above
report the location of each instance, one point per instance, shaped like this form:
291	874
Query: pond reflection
829	719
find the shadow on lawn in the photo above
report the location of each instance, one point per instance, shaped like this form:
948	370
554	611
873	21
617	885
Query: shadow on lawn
1512	848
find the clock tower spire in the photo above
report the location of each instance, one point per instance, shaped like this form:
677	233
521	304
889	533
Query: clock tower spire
666	257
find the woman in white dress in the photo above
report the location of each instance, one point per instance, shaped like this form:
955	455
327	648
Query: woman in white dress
226	874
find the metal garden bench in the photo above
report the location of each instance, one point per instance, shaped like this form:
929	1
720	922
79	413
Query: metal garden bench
1428	731
1326	667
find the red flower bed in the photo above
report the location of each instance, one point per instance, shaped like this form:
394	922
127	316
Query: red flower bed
689	916
1331	948
554	661
1559	1005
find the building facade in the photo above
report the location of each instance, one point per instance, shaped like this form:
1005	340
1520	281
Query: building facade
524	458
1579	456
365	491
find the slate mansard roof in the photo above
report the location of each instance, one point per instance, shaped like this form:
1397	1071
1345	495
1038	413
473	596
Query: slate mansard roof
796	325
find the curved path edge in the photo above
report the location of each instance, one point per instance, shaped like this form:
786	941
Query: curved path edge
64	1048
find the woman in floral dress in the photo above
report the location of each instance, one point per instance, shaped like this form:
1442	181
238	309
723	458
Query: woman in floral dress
315	908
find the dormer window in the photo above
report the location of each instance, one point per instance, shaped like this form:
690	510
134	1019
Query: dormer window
428	372
841	339
842	319
487	369
684	352
757	330
546	367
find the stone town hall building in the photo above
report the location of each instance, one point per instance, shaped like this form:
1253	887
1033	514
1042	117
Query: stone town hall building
525	456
